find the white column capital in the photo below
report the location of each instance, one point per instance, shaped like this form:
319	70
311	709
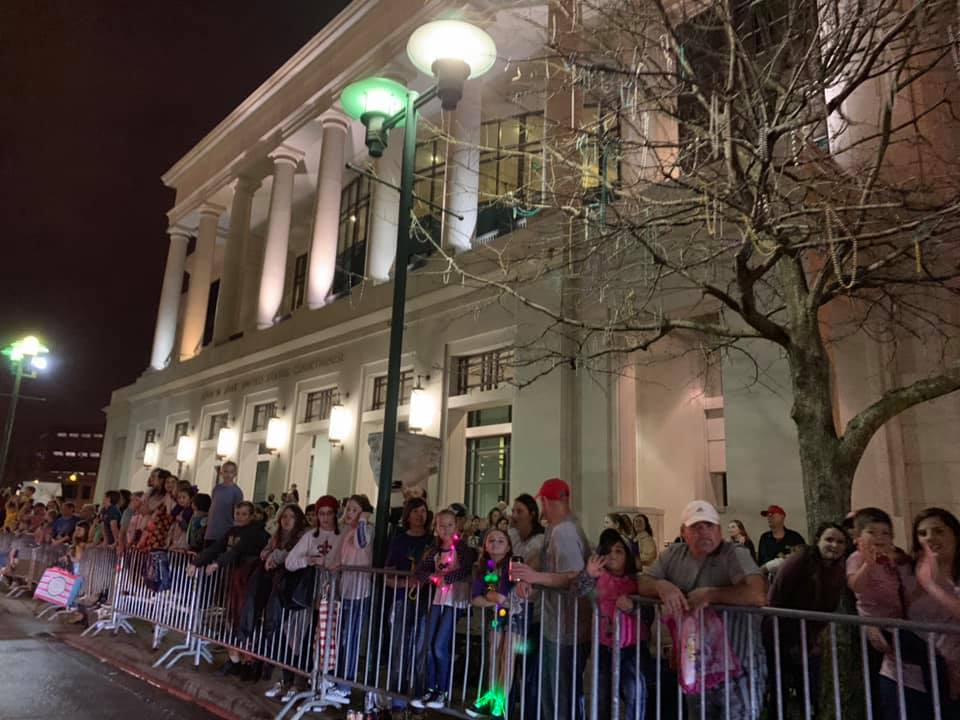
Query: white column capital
335	119
209	208
179	233
245	185
286	154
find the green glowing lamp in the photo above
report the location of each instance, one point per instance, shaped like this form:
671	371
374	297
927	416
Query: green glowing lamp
372	101
28	347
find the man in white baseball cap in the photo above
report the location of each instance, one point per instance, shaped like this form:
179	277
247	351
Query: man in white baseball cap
705	570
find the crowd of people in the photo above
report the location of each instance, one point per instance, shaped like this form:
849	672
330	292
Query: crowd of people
532	567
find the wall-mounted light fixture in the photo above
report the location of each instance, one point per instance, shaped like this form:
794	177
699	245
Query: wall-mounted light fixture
151	453
421	407
186	449
340	422
226	442
276	434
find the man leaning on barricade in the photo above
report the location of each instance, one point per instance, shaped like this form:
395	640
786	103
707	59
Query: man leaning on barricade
688	578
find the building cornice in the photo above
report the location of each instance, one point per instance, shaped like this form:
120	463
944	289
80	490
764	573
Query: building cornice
304	70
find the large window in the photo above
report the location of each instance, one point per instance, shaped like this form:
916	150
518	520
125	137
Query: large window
602	123
179	430
352	239
318	404
380	389
488	472
261	416
429	167
299	280
217	423
510	158
484	371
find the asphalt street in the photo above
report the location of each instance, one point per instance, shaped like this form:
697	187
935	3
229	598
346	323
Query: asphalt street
43	678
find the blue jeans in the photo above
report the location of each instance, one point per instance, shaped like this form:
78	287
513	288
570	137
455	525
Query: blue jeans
351	623
563	688
438	639
633	684
406	647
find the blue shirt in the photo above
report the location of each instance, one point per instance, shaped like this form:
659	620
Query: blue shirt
220	518
64	526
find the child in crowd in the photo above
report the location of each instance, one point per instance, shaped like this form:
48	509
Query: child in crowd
44	534
197	527
448	564
110	516
38	517
874	578
492	588
137	521
612	573
181	519
10	521
356	549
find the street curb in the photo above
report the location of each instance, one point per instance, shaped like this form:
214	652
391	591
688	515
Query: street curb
150	680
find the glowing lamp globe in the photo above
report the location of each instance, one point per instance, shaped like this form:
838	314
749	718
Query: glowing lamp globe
372	101
151	453
340	422
453	51
421	409
186	448
226	442
276	434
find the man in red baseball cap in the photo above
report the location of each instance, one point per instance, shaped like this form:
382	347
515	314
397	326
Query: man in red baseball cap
778	541
565	553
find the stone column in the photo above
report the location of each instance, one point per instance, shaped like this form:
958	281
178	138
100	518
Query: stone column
326	222
463	171
195	316
166	331
227	322
382	243
274	271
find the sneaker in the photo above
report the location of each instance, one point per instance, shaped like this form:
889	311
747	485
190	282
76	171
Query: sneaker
288	695
438	701
274	691
423	701
338	692
476	711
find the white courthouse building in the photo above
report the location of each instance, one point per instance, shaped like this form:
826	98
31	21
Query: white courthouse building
276	303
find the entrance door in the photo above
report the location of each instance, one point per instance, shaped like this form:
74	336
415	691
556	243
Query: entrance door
260	481
488	472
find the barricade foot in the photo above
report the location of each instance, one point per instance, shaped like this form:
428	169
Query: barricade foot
313	700
159	633
48	610
114	624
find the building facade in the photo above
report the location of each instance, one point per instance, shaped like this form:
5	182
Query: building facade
70	455
276	305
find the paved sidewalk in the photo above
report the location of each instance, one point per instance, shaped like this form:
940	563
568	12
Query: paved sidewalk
227	698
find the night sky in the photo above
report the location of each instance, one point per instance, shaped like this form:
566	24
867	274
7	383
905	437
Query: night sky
97	100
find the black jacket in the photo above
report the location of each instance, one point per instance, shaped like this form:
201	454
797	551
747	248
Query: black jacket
239	544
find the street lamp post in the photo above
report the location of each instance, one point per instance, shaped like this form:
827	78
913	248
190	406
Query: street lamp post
30	352
453	52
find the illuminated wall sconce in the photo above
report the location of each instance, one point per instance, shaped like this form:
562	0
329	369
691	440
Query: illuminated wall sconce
276	434
226	442
186	449
340	422
151	453
421	408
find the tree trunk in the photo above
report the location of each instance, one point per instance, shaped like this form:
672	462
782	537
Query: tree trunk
827	481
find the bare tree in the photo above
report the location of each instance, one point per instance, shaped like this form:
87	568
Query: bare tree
783	171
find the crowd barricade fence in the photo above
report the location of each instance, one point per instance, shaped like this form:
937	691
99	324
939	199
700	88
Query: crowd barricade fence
386	637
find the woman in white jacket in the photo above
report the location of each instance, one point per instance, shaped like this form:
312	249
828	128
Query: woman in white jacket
319	548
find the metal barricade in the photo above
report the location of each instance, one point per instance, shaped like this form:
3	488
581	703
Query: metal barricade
17	570
392	638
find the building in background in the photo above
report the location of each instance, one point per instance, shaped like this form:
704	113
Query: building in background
70	455
273	350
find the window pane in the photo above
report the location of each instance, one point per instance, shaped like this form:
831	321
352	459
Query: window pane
510	133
